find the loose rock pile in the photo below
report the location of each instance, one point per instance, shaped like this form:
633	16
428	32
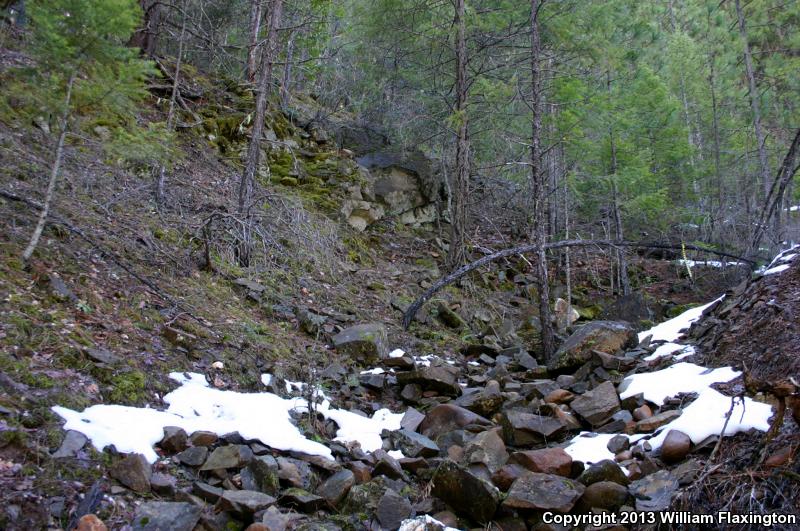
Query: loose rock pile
485	439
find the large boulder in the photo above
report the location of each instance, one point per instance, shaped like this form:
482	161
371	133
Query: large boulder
166	516
521	428
440	378
466	493
602	336
543	492
365	343
598	405
448	417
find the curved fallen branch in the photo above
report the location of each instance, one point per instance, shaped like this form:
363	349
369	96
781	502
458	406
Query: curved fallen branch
412	310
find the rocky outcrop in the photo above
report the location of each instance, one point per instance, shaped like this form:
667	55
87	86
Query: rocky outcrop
602	336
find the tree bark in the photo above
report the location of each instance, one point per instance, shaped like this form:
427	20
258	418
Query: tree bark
162	171
754	101
252	49
622	262
540	217
254	147
145	38
456	255
51	185
287	71
777	191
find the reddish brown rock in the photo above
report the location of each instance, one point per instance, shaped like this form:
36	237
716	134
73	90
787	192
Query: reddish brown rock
675	447
90	522
547	461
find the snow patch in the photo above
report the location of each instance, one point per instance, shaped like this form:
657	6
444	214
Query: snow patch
397	353
706	417
671	330
777	269
671	349
679	378
195	406
590	447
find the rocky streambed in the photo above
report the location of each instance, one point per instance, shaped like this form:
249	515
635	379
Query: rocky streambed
616	422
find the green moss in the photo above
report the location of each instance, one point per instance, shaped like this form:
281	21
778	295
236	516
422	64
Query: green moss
680	308
128	387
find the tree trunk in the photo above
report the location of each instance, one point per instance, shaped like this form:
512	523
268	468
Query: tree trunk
254	147
754	101
162	171
252	49
540	217
715	126
146	36
456	256
622	261
287	71
51	186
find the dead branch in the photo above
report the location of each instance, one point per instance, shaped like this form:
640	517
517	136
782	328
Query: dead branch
531	248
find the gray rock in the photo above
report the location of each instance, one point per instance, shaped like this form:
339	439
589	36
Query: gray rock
163	484
133	471
194	456
310	322
484	402
487	448
366	343
244	503
618	443
101	355
175	440
413	444
524	429
605	495
598	405
393	509
654	492
72	443
411	419
603	336
231	456
302	500
264	470
440	378
166	516
543	492
605	470
335	488
207	492
466	493
386	465
449	417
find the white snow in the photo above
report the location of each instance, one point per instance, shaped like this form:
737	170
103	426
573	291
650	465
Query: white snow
397	454
679	378
365	430
777	269
708	263
671	349
397	353
195	406
376	370
671	330
590	447
706	417
420	523
266	379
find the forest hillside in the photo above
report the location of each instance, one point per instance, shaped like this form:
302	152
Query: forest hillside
411	265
